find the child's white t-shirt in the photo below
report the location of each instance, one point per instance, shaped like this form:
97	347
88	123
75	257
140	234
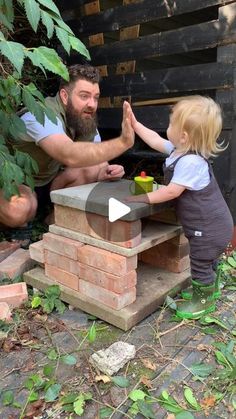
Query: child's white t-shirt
191	171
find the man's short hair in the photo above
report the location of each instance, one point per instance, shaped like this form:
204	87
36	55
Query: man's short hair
80	72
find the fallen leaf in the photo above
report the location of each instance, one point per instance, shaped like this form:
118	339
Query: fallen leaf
149	364
146	381
208	402
103	378
202	347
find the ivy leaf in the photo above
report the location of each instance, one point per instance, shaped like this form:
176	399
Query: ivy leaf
49	4
121	381
52	291
78	46
69	359
63	37
48	23
188	394
14	52
32	11
52	392
59	306
51	61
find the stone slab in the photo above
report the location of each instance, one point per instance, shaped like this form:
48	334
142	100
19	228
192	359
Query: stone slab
152	234
94	197
152	288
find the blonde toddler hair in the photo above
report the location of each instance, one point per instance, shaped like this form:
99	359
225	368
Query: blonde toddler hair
200	117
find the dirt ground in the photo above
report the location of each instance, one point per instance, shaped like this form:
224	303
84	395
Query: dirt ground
182	369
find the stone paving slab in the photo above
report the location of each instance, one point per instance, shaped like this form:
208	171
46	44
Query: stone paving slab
153	234
153	285
94	197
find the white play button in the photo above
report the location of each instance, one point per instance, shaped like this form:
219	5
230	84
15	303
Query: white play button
117	209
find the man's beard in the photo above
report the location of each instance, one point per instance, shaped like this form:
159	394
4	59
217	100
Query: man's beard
84	128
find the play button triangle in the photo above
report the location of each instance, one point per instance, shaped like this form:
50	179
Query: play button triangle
117	209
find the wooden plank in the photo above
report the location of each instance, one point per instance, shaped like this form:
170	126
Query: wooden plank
196	37
155	117
114	19
147	84
128	66
153	285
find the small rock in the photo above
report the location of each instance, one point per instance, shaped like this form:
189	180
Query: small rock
112	359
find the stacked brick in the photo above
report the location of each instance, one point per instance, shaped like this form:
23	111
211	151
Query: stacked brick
107	277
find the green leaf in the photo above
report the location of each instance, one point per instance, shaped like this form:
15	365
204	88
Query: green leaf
52	291
137	395
48	23
231	261
221	358
16	126
32	11
7	398
52	392
68	398
146	410
170	303
14	52
36	302
5	21
63	37
49	4
92	333
33	396
51	61
202	370
52	355
184	415
68	359
59	306
48	370
105	412
79	405
78	46
121	381
188	394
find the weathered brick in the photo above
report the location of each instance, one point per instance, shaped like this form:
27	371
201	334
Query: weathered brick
106	261
176	265
63	277
5	312
14	294
7	248
62	262
16	264
109	298
117	284
62	245
36	251
124	233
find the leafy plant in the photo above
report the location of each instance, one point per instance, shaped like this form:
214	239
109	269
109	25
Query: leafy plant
49	301
20	64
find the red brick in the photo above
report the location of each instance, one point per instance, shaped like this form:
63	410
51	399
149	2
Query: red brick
123	233
176	265
5	312
16	264
106	261
62	262
7	248
62	245
36	251
63	277
108	298
117	284
14	294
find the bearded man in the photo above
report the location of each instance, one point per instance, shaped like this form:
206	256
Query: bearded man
69	153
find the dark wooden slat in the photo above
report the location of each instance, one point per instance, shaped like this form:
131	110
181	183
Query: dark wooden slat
154	117
170	80
147	10
65	4
196	37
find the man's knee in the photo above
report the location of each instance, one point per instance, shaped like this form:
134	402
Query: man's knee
19	209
